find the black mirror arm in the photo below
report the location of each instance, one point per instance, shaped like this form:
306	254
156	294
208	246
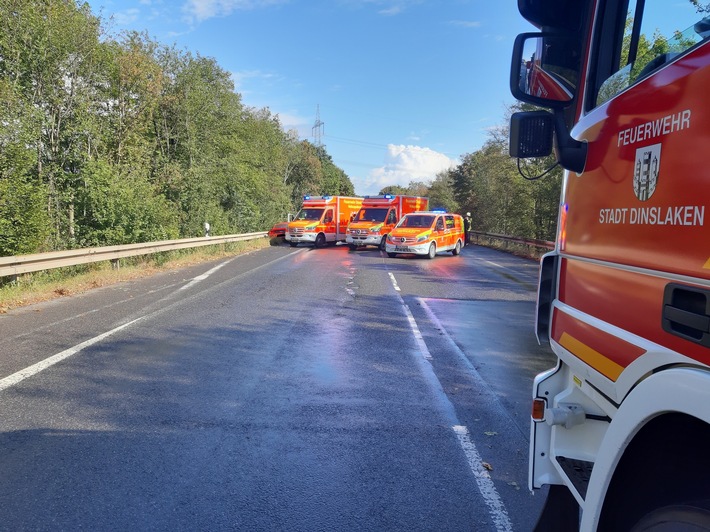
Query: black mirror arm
571	153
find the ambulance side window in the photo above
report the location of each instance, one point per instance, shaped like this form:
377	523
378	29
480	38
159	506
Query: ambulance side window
653	33
328	217
392	217
439	224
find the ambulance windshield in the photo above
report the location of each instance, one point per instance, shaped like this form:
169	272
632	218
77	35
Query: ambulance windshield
416	220
371	215
309	214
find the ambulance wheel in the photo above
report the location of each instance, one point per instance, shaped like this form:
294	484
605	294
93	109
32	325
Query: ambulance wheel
432	251
457	248
293	244
320	240
391	255
382	243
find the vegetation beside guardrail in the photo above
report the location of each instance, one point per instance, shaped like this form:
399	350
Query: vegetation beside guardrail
526	247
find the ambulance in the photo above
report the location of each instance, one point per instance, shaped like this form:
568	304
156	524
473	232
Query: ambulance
620	427
322	220
378	215
426	233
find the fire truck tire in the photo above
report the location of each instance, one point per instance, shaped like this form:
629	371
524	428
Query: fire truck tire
664	467
320	240
693	516
457	248
432	251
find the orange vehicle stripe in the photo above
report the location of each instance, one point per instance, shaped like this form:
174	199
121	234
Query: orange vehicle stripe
602	364
606	353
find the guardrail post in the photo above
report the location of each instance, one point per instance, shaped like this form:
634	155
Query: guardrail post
115	264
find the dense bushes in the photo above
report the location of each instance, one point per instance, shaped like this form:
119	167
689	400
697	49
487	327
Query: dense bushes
110	142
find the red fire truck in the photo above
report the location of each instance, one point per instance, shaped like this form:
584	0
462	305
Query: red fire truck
621	425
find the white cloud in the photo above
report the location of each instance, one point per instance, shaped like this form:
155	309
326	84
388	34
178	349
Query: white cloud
239	78
293	121
404	164
199	10
126	17
465	23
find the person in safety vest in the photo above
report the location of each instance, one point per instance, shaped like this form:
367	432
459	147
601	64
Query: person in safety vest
467	223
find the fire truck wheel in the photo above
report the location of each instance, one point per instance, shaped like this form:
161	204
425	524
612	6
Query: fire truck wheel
692	516
457	248
432	251
320	240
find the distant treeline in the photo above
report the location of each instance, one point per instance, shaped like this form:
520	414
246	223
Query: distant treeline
109	140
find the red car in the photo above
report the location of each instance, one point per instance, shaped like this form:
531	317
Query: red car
278	230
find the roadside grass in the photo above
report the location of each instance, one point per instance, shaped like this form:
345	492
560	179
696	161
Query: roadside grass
46	285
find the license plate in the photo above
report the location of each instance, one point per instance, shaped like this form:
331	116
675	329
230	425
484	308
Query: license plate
403	249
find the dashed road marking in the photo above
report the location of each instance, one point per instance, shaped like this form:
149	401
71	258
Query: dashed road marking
394	282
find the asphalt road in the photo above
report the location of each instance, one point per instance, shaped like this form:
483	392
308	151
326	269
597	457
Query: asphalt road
287	389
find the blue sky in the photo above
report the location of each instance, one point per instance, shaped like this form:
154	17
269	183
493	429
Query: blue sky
404	87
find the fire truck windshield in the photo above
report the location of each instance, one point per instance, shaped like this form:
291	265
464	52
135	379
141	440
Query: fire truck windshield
371	215
309	214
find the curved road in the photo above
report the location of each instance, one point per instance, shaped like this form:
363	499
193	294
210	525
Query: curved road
287	389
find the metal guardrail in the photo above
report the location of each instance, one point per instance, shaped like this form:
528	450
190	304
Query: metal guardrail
20	264
544	244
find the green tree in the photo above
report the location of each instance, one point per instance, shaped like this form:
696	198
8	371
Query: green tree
121	209
441	193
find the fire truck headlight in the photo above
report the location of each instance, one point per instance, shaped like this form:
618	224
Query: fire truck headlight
421	238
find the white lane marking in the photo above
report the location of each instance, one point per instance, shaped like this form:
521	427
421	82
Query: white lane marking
34	369
511	270
23	374
496	508
394	282
417	333
205	275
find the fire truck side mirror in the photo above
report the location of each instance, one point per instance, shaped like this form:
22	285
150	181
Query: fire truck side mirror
544	69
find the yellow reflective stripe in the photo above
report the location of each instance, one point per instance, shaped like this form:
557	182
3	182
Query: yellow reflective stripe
602	364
